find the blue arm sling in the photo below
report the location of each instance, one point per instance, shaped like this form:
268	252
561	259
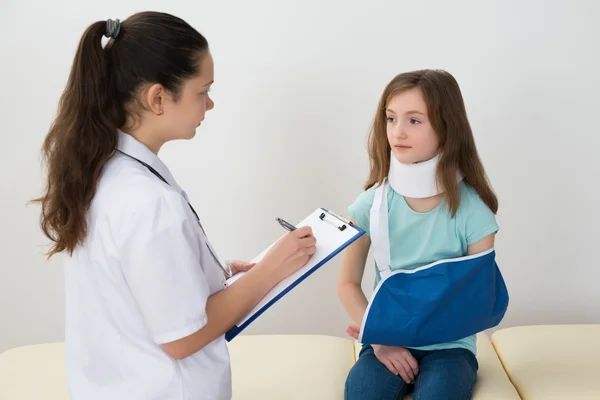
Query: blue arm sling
441	302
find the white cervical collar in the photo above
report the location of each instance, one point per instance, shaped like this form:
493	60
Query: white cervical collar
416	181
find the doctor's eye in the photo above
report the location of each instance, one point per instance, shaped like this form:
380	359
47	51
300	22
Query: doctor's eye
414	121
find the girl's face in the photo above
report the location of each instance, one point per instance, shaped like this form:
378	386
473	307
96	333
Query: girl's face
409	131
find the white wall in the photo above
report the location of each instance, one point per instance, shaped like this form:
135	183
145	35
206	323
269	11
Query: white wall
296	87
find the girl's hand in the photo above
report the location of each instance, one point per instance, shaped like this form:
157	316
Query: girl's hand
240	266
399	361
353	331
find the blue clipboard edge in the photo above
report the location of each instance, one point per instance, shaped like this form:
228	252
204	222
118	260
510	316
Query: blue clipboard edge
236	330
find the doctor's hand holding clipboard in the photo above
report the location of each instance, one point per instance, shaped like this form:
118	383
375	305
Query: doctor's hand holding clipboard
333	232
290	253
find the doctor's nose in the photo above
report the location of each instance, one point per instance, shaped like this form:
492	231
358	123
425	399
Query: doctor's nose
210	104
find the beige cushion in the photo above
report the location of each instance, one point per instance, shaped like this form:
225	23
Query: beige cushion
492	382
289	367
263	367
552	362
33	373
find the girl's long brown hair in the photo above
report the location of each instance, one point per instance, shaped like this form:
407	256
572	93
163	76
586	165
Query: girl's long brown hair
448	116
150	47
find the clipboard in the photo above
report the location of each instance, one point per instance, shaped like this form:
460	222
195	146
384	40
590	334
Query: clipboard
333	234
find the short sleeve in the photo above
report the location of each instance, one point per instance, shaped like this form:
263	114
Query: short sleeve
478	220
160	253
360	210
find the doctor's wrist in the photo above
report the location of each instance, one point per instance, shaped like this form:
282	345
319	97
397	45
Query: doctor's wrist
269	271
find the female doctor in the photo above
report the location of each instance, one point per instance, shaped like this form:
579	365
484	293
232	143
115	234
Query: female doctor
146	303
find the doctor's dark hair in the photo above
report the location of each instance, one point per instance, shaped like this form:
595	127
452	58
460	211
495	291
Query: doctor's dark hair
102	94
448	116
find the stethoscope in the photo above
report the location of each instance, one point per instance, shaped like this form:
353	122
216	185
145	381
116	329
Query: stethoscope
227	271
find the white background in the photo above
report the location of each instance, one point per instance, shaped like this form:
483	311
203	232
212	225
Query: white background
297	83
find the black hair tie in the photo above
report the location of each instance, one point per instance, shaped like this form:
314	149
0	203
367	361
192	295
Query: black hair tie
112	28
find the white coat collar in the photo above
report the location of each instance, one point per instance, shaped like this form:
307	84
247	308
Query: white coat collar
132	147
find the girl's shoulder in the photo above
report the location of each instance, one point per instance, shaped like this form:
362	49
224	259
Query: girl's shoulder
470	201
364	200
474	218
360	209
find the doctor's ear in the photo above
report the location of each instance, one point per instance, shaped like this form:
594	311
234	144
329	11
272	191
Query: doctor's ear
155	98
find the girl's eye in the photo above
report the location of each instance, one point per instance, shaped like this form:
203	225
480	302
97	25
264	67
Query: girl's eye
391	119
414	121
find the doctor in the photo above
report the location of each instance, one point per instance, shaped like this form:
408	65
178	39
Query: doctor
146	301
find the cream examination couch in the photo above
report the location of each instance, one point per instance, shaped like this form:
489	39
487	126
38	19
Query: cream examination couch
530	363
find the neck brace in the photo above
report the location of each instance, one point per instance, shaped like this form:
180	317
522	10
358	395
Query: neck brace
416	181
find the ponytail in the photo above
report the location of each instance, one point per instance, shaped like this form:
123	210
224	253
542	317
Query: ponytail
147	48
81	140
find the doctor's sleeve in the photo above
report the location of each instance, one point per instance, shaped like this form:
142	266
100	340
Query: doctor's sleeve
160	260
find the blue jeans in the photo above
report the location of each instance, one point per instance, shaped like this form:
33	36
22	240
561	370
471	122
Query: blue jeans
443	375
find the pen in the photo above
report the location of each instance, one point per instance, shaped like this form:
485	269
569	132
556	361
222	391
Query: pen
286	225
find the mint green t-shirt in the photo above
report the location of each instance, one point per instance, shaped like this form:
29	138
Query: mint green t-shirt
418	239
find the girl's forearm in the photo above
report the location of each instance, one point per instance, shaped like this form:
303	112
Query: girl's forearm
354	301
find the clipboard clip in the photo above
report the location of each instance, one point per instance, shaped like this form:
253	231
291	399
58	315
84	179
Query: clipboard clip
344	221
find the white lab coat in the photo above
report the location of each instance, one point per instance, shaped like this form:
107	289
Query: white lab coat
142	278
